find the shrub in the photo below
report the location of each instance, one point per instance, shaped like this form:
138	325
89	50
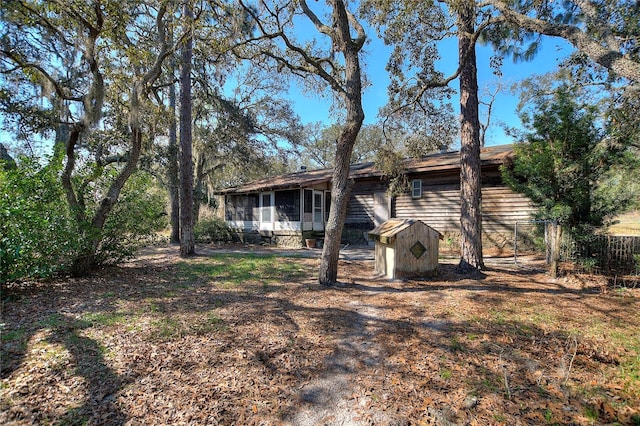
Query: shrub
36	234
39	236
135	221
212	229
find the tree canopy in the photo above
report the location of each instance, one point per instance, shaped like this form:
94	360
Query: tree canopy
565	164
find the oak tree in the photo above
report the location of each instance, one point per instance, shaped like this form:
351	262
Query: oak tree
87	58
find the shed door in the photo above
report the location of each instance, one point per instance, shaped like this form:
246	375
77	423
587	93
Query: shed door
380	208
318	210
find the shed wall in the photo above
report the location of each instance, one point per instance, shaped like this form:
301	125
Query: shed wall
406	264
385	260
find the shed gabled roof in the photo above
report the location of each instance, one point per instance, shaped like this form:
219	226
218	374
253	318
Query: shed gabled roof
432	162
392	227
387	231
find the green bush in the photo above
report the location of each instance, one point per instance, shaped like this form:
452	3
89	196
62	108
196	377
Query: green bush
36	234
212	230
39	236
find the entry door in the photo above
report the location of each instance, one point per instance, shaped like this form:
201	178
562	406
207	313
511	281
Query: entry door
380	208
266	211
318	210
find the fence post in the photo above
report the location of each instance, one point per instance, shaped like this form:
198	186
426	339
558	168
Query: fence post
556	233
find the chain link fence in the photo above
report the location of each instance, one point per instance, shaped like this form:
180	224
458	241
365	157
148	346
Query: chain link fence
532	238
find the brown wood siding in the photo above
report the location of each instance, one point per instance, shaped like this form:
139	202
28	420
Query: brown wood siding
439	207
501	208
360	211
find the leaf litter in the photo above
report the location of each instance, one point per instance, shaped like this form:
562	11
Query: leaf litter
161	341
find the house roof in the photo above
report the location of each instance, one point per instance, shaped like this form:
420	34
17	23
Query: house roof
431	162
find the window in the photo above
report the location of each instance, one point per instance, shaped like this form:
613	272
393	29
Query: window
327	205
416	188
288	206
242	207
307	205
317	207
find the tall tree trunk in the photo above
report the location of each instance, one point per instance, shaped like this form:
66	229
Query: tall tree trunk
199	187
341	185
173	170
470	171
187	242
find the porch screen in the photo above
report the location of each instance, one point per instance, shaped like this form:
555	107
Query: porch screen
242	207
308	205
288	205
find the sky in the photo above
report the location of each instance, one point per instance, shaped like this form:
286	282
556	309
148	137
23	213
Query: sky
553	50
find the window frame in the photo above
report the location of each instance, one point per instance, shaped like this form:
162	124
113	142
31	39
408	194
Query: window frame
416	190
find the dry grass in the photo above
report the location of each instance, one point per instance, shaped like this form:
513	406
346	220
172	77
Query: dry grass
235	339
627	224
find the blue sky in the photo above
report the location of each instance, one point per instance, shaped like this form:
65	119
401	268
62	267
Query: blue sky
553	50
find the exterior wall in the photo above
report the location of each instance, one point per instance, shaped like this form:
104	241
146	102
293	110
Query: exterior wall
283	230
243	225
361	211
439	207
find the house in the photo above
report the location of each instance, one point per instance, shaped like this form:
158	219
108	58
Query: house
285	208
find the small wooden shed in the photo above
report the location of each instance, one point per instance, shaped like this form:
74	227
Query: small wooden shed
405	248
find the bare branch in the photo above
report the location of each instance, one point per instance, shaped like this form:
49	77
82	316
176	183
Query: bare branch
445	82
315	65
37	67
324	29
609	57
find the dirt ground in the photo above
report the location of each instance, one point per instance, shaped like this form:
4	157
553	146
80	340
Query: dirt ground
163	340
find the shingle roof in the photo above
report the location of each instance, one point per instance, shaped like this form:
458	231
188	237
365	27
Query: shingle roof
432	162
387	231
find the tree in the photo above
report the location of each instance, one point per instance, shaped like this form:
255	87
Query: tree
187	239
470	171
317	150
243	136
67	50
418	110
605	31
317	62
173	169
563	164
8	163
414	28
